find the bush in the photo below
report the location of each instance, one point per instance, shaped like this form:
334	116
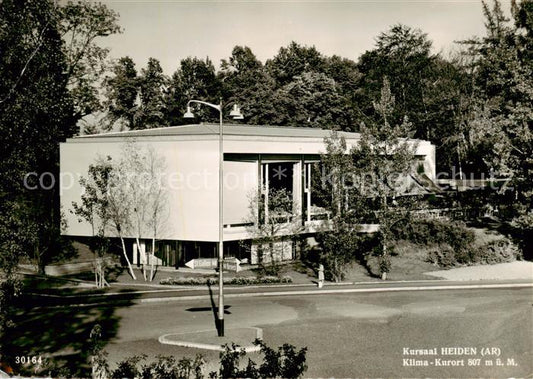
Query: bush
237	281
163	368
338	247
285	362
453	242
128	368
430	232
442	255
384	264
499	251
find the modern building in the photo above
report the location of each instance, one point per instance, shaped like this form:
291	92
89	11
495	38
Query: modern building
256	160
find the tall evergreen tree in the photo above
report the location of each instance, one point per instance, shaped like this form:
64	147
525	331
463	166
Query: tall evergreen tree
403	55
122	90
152	85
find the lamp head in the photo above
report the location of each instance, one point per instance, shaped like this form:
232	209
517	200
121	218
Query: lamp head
236	112
188	114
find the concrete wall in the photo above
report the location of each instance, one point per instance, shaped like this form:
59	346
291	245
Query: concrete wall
192	178
192	183
240	188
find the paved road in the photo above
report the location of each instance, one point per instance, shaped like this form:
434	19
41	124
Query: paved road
359	334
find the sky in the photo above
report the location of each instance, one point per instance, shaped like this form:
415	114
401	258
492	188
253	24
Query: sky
172	30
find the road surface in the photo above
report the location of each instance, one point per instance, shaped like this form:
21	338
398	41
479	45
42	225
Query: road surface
447	333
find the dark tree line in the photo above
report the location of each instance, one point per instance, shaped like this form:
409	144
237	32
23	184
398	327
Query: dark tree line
471	105
49	68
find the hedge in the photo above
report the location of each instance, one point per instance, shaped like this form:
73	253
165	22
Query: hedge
238	281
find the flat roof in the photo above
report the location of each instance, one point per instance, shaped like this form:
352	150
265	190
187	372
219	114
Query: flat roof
229	130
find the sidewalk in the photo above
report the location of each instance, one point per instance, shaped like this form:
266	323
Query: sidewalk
502	271
506	275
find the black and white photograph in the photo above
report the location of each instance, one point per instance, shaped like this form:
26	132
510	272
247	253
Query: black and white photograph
266	189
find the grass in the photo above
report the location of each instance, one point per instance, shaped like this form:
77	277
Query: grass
408	262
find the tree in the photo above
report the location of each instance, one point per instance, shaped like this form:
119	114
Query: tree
339	239
362	183
82	24
312	100
294	60
271	219
347	77
105	203
94	210
35	110
402	54
152	84
383	158
122	90
504	82
140	171
195	79
245	81
43	93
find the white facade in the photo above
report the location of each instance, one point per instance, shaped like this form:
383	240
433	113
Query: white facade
252	154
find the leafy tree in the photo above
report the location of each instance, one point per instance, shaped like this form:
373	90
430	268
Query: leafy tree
245	81
402	54
195	79
312	100
94	210
383	158
339	239
122	90
35	114
35	110
152	83
503	88
503	69
363	182
106	203
294	60
140	172
347	77
82	24
271	219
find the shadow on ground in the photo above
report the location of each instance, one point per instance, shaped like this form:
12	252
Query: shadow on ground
57	330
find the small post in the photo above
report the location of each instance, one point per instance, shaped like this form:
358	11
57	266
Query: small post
320	276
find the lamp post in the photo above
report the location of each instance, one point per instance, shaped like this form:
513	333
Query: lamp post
237	115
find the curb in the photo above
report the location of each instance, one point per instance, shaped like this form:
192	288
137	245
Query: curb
206	346
341	291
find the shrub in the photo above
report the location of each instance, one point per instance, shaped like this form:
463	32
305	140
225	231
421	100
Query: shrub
169	368
339	247
285	362
428	232
384	264
128	367
163	368
453	242
499	251
442	255
237	281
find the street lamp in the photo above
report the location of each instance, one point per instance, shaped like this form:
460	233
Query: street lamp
236	115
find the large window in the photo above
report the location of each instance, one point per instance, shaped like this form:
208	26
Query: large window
280	191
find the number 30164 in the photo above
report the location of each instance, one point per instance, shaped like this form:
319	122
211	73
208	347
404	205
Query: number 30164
29	359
